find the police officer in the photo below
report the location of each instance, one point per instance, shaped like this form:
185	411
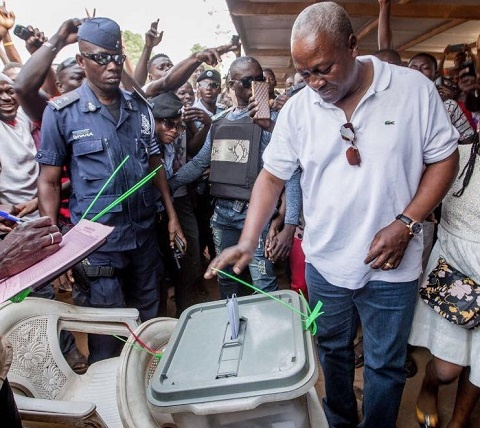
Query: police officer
91	130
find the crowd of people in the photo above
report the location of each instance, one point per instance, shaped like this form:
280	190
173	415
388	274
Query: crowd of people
344	181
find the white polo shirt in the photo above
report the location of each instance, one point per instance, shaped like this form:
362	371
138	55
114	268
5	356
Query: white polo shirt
400	124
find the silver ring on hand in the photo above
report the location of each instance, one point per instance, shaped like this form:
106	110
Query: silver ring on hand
52	239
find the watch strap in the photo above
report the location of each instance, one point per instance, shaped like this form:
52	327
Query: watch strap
407	220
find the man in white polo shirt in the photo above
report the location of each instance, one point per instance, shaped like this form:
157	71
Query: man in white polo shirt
362	132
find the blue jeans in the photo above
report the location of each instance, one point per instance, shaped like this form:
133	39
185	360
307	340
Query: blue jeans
227	225
386	311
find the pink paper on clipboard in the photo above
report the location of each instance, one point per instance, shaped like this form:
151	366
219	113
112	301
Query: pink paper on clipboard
77	243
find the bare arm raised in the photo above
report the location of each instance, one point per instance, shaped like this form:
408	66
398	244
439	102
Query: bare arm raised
33	73
181	72
152	38
384	29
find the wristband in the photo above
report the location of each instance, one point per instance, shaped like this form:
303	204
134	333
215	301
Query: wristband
49	45
7	44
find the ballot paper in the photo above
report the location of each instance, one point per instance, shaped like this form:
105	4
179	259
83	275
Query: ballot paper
76	244
233	317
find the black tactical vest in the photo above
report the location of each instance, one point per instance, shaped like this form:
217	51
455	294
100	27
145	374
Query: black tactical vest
235	158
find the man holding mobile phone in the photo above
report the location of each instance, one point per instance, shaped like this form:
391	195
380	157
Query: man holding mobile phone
233	150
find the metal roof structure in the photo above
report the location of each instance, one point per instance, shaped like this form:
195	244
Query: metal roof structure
264	27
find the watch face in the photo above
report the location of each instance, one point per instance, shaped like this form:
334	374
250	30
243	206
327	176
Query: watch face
416	228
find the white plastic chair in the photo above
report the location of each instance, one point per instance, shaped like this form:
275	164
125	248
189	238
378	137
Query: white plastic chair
47	391
135	371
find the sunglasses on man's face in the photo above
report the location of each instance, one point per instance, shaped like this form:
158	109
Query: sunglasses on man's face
247	81
170	124
104	58
211	85
348	134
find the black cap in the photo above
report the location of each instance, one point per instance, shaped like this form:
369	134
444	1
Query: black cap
102	32
210	74
69	62
166	105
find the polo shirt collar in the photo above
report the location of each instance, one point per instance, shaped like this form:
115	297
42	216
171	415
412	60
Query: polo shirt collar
382	75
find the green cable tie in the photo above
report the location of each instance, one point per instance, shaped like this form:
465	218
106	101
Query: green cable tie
130	191
261	292
104	186
158	356
309	323
20	297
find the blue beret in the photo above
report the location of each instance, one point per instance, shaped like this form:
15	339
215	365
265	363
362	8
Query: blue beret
166	105
210	74
102	32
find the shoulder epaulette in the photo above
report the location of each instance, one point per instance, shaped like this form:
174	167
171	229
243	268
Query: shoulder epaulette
64	100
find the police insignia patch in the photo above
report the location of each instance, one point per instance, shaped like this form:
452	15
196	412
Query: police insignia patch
145	125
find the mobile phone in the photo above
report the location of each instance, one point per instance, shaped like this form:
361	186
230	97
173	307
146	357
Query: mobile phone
179	244
260	93
23	32
235	39
471	68
458	48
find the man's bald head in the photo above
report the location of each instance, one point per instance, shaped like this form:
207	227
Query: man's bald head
241	63
326	18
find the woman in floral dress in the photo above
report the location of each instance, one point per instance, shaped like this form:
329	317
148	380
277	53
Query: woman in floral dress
455	350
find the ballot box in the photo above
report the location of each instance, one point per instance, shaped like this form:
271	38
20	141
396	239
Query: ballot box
264	377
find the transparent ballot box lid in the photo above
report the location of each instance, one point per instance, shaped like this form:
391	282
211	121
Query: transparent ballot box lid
272	358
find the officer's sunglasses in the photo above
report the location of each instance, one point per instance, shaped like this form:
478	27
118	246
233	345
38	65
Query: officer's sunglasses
247	81
104	58
170	124
211	85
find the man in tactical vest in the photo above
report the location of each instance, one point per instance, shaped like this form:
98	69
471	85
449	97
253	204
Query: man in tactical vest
233	150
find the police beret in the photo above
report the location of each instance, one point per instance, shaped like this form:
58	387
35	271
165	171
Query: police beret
210	74
166	105
102	32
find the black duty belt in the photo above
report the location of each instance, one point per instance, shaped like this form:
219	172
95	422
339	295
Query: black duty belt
99	271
